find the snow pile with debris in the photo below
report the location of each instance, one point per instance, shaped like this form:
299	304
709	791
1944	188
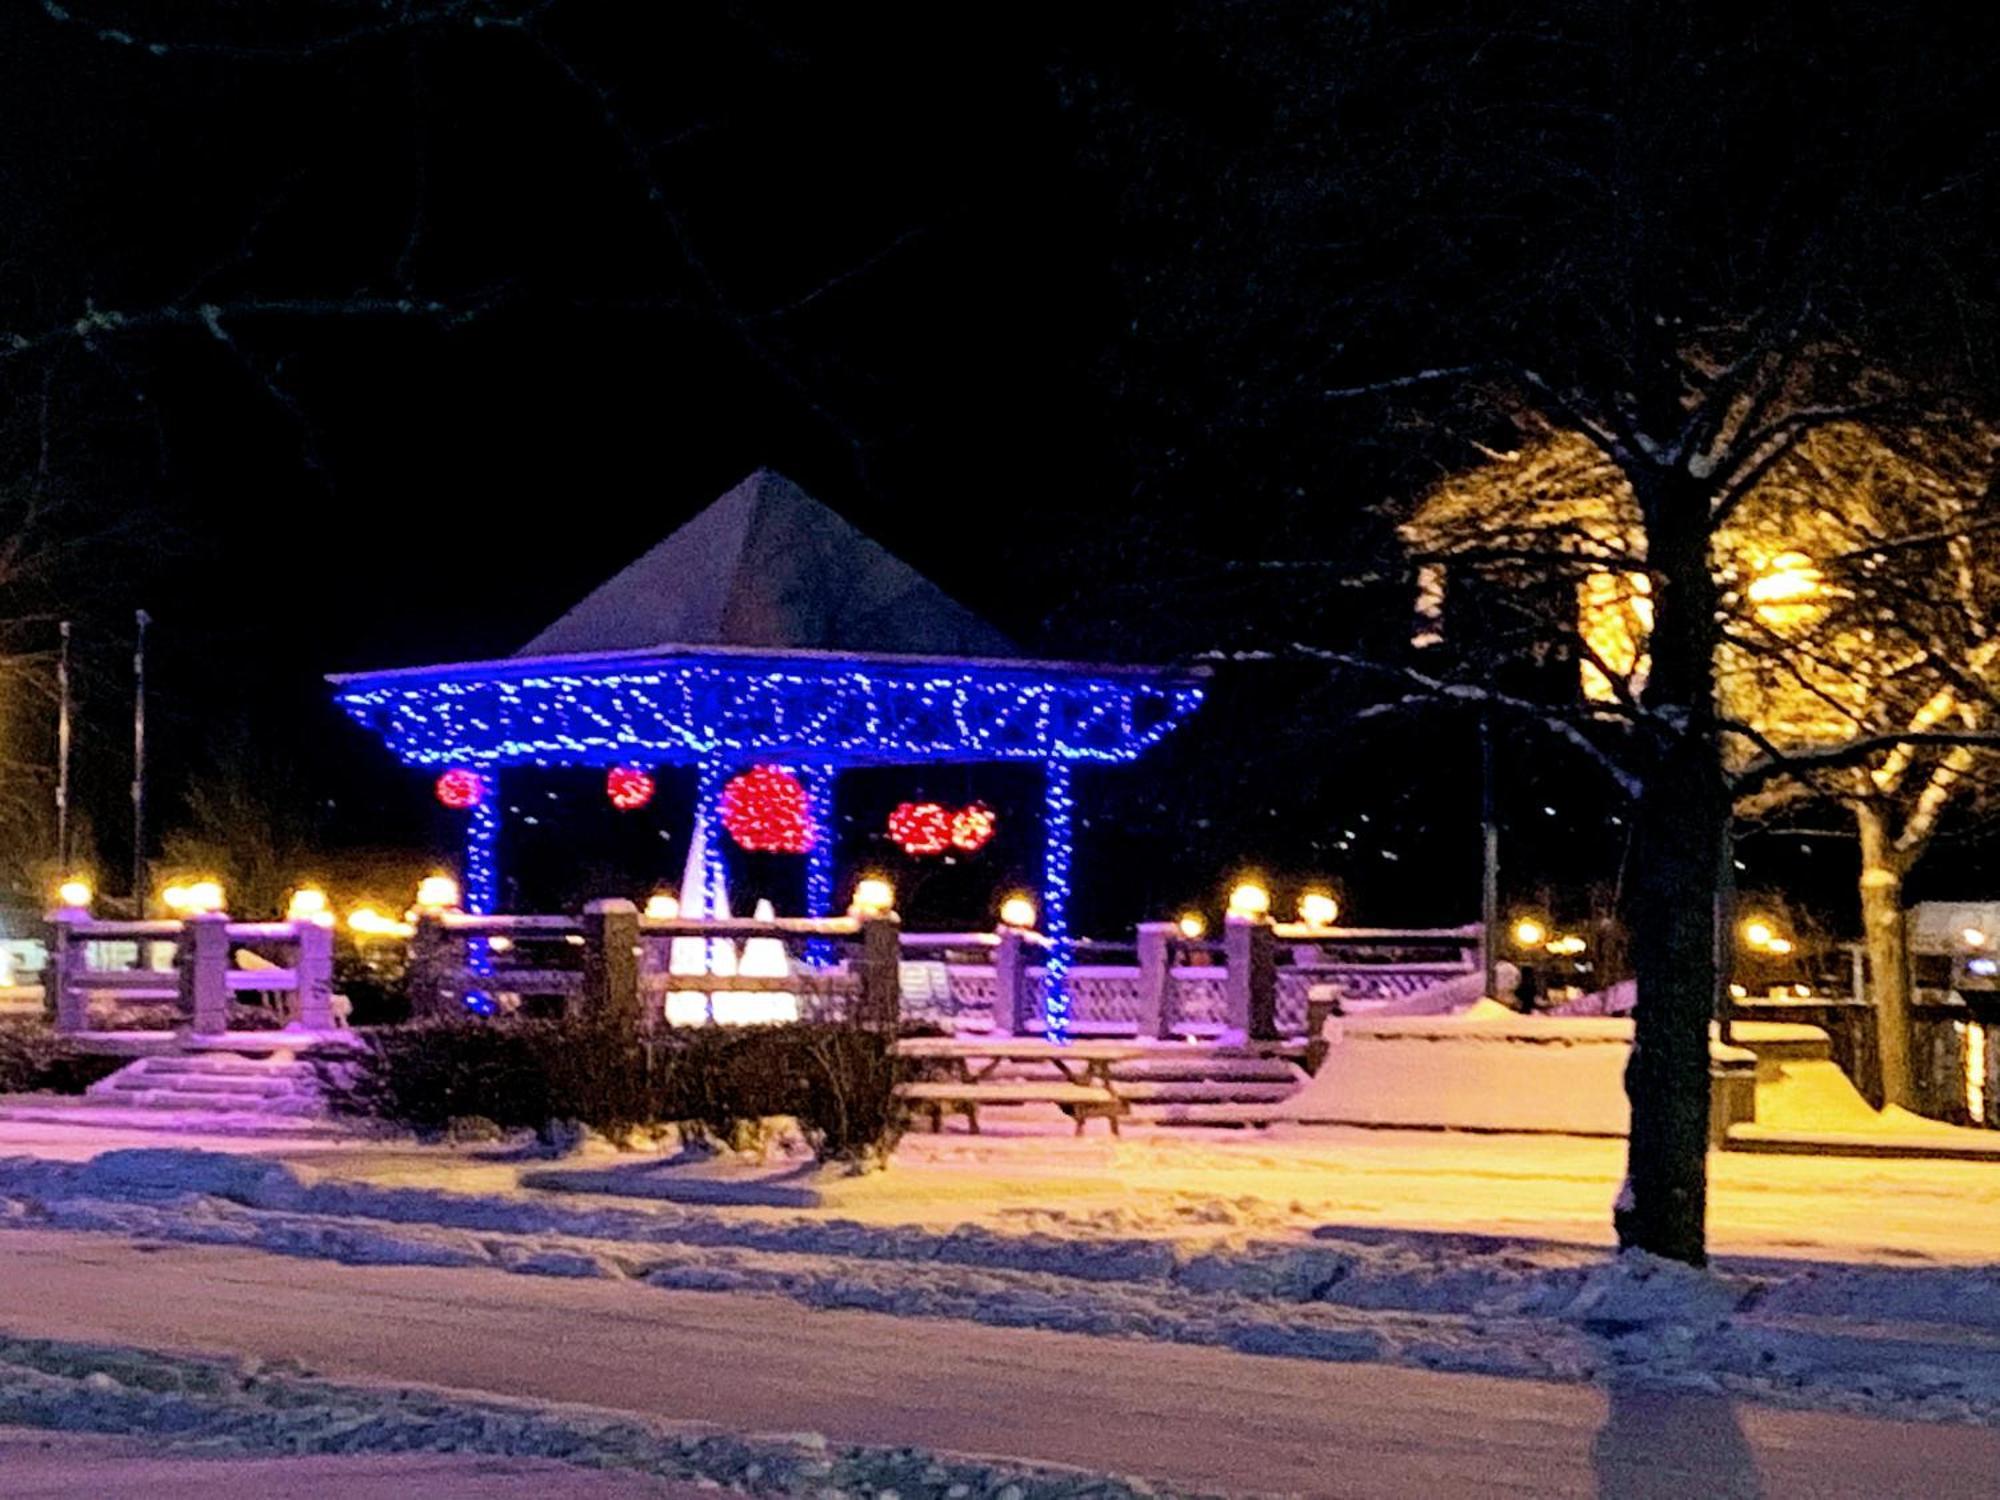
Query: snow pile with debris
1921	1342
215	1407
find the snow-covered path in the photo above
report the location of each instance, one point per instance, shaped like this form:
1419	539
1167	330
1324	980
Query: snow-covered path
62	1466
1200	1416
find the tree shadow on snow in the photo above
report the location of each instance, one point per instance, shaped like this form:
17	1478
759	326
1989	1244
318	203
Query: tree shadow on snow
1671	1445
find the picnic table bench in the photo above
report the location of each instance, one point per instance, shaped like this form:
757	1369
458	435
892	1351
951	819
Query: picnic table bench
1080	1084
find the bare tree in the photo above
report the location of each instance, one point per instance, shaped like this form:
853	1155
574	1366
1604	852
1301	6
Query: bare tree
1857	652
1617	221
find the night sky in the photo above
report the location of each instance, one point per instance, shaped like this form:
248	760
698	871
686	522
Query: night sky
496	306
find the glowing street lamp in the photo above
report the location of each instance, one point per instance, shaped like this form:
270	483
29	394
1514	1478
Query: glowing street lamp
1784	589
1249	900
309	904
1318	909
366	921
663	906
1529	933
873	896
1018	911
196	898
1193	925
1760	933
74	894
437	893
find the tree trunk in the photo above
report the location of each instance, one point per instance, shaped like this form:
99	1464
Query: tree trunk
1887	934
1681	824
1671	915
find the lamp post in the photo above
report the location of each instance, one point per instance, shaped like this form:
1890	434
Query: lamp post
62	751
142	620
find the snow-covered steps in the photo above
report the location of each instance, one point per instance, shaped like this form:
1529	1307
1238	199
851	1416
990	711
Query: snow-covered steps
1948	1143
1201	1085
1782	1041
280	1084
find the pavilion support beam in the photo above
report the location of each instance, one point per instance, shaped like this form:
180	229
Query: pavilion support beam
1058	828
818	782
711	776
480	879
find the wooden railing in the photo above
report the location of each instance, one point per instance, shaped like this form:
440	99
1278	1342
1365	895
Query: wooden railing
1260	980
612	960
214	960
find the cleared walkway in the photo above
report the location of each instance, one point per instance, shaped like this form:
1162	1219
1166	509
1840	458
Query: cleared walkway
1199	1416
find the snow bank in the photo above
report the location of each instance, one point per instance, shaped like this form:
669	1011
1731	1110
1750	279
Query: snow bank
1789	1331
1487	1069
220	1407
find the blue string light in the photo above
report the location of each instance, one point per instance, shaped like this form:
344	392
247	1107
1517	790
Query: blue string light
681	709
480	891
1058	823
711	779
819	856
715	709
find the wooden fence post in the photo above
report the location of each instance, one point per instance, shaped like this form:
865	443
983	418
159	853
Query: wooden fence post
315	972
1155	976
204	972
611	962
61	995
882	971
1251	947
1010	981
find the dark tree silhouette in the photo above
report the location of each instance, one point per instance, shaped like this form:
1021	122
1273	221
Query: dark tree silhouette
1697	242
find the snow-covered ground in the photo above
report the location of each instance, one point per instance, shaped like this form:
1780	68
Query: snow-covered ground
1871	1287
210	1408
44	1465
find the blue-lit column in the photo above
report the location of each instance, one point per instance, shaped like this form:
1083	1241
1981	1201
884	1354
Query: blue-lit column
712	776
819	855
481	883
479	887
1058	825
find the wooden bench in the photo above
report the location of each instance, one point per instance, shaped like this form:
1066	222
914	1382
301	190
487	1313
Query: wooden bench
1082	1101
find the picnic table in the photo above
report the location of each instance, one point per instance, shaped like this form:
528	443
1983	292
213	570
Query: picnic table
1078	1080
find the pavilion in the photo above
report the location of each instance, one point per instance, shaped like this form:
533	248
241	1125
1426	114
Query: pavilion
769	631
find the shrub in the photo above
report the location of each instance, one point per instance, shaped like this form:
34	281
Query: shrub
34	1060
426	1076
845	1094
375	981
719	1084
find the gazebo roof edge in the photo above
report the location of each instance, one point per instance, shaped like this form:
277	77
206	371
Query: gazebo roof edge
531	666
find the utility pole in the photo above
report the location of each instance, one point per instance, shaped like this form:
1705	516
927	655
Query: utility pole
139	767
62	757
1489	870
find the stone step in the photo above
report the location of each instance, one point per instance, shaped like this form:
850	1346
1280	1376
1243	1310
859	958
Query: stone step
252	1088
222	1064
1781	1041
206	1085
1247	1069
1208	1114
192	1103
1205	1091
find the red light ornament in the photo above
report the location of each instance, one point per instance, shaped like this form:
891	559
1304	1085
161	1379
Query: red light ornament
460	790
930	828
628	787
920	827
766	810
972	826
